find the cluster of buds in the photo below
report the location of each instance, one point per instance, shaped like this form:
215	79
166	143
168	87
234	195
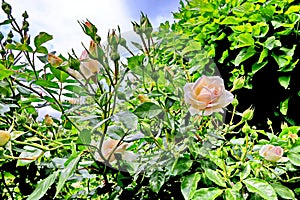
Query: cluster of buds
145	27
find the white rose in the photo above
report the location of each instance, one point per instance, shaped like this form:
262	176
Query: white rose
207	95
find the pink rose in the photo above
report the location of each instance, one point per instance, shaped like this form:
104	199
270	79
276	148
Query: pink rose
207	95
271	153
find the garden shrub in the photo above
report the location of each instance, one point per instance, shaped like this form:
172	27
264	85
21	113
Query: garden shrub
150	124
256	40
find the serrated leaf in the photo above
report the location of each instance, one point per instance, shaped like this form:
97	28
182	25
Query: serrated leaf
66	173
41	38
147	110
189	185
157	180
283	191
42	187
207	193
261	187
215	177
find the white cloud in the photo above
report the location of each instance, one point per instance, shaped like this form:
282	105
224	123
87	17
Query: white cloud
59	18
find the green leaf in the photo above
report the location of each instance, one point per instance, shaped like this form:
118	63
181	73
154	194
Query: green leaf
4	73
232	20
246	172
271	42
29	155
115	132
256	67
42	187
284	106
181	165
215	177
147	110
74	88
261	187
262	56
294	158
19	47
231	194
42	50
284	81
207	193
189	185
245	39
41	38
66	173
293	9
283	191
244	55
85	136
135	64
243	9
128	119
59	74
47	84
156	181
192	46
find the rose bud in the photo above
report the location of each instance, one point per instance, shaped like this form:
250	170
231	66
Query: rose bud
4	137
54	60
48	120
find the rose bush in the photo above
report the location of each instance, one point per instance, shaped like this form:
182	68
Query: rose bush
207	95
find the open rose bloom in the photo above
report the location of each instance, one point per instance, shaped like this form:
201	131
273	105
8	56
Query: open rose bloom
108	151
207	95
271	153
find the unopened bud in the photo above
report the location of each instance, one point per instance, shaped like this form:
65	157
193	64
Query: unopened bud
115	56
93	49
113	39
248	114
48	120
54	60
6	8
4	137
235	102
238	83
25	15
143	98
246	128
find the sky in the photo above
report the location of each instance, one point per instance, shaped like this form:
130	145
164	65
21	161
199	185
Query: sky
60	18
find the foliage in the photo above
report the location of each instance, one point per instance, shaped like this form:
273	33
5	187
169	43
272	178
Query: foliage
124	130
257	41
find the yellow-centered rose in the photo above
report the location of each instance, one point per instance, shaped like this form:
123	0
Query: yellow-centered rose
207	95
